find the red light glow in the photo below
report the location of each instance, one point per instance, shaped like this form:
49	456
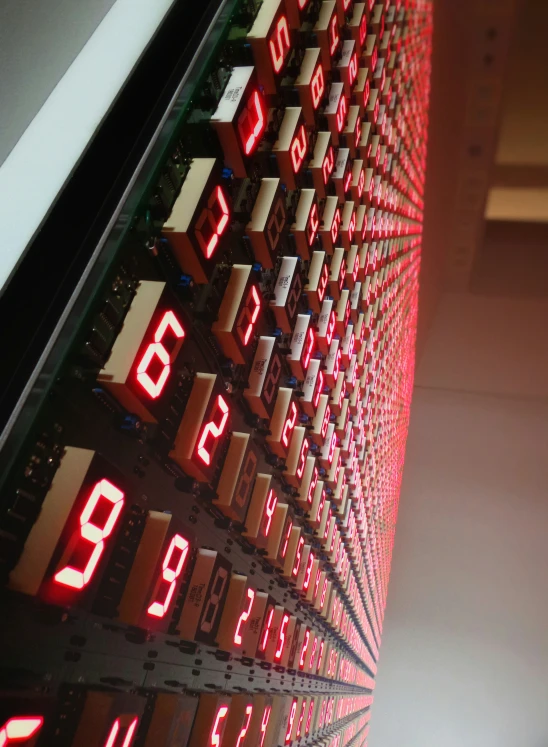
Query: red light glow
248	315
312	225
304	649
215	735
244	617
308	571
266	631
331	328
213	430
112	739
286	539
19	729
310	343
290	721
319	387
312	487
328	164
95	536
213	222
157	350
264	723
323	283
335	225
298	554
318	517
334	37
243	733
353	69
252	123
270	505
281	637
302	458
363	29
317	86
299	148
169	576
289	424
279	44
309	717
325	421
342	111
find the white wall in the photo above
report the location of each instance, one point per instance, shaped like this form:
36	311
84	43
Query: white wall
464	658
39	39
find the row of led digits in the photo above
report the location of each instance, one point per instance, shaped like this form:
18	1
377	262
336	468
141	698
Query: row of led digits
109	719
325	128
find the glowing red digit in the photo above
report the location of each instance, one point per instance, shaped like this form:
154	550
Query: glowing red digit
19	729
334	37
270	505
213	222
286	539
312	225
342	273
320	656
298	555
317	86
244	617
266	630
357	132
279	44
304	648
363	29
290	721
264	724
178	546
248	317
215	732
366	92
281	637
319	385
252	123
361	183
328	164
95	536
243	733
324	592
157	350
325	422
301	718
310	343
322	285
335	225
308	571
312	487
212	431
302	458
289	424
318	517
337	366
298	149
309	717
123	738
342	111
353	69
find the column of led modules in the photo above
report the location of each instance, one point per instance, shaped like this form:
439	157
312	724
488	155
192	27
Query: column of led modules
262	380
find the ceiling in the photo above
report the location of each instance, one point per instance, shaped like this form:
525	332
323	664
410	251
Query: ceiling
487	175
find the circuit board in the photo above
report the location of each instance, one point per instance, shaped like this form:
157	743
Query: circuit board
196	529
